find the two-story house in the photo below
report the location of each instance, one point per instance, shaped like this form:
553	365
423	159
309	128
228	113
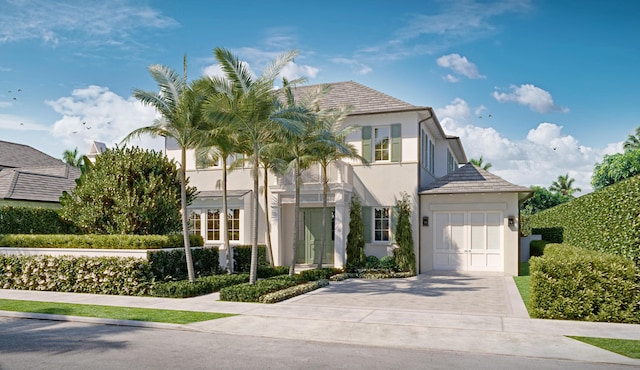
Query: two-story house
408	152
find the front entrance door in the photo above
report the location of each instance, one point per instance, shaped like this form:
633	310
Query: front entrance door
309	248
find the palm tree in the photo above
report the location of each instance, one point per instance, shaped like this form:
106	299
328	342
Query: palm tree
71	158
633	141
179	106
479	163
564	186
251	105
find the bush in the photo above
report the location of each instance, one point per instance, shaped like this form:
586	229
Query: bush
385	275
549	234
172	265
388	263
576	284
536	247
242	257
252	292
355	238
404	255
372	262
202	285
31	220
97	275
317	274
98	241
293	291
605	221
267	272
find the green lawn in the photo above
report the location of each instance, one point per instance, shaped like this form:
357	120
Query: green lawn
625	347
109	312
522	283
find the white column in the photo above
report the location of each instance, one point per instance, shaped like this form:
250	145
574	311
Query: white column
275	228
341	229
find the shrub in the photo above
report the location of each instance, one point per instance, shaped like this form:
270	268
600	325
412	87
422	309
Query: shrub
549	234
404	255
577	284
536	247
252	292
202	285
372	262
267	272
317	274
388	263
31	220
98	275
242	257
355	238
293	291
385	275
98	241
172	265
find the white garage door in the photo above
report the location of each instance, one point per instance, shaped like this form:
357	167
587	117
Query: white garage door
468	241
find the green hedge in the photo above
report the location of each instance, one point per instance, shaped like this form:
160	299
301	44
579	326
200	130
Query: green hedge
267	272
607	220
293	291
31	220
98	275
316	274
550	234
536	247
242	257
172	265
98	241
203	285
577	284
252	292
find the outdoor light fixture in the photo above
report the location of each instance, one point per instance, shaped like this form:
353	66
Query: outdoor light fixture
425	221
512	220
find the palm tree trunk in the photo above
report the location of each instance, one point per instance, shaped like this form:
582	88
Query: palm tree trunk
225	229
254	222
296	219
266	213
325	185
185	224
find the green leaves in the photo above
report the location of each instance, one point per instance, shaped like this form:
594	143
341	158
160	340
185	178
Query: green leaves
405	256
616	167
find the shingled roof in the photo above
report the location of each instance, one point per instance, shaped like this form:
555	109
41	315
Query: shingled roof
472	179
43	184
14	155
362	99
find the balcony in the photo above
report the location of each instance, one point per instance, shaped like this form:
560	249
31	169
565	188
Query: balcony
338	172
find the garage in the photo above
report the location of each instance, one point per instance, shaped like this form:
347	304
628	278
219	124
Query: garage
470	223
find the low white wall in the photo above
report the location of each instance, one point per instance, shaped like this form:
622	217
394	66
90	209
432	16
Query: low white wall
87	252
525	249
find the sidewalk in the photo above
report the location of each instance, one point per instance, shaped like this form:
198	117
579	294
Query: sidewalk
342	313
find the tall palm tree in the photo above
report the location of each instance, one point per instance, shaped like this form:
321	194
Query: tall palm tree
72	158
179	106
564	186
633	141
480	163
251	105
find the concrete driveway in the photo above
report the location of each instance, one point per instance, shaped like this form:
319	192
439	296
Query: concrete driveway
450	292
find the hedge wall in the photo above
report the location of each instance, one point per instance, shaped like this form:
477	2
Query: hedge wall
31	220
607	220
98	241
172	265
576	284
242	257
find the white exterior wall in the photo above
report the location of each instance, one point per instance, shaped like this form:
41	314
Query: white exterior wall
507	203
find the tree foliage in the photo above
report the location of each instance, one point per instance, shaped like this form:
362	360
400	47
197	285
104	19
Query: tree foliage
404	255
615	168
480	163
542	199
128	191
633	141
355	238
564	186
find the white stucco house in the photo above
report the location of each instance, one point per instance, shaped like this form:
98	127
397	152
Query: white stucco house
463	218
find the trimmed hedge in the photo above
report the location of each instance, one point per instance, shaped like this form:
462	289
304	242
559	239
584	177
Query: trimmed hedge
31	220
316	274
202	285
550	234
252	292
98	241
607	220
98	275
242	257
172	265
576	284
267	272
294	291
536	247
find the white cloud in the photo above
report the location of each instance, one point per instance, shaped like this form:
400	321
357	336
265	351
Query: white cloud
459	64
292	71
546	152
537	99
451	78
97	114
357	67
12	122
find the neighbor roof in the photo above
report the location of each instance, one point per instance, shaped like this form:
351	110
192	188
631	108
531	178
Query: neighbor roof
362	99
472	179
44	184
14	155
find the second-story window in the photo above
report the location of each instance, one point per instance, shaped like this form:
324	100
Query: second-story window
382	149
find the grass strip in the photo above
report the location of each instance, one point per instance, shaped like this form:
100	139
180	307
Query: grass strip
109	312
522	283
625	347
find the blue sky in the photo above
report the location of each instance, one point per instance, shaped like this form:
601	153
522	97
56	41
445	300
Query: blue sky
539	88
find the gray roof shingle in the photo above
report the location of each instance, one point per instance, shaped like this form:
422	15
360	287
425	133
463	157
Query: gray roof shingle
472	179
362	99
14	155
44	184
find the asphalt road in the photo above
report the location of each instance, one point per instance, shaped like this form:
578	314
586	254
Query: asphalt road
43	344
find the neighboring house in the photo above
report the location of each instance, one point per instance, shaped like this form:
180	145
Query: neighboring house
408	152
96	149
29	177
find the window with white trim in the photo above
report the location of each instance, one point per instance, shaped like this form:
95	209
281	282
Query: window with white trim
214	217
381	224
382	144
427	152
451	162
195	222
